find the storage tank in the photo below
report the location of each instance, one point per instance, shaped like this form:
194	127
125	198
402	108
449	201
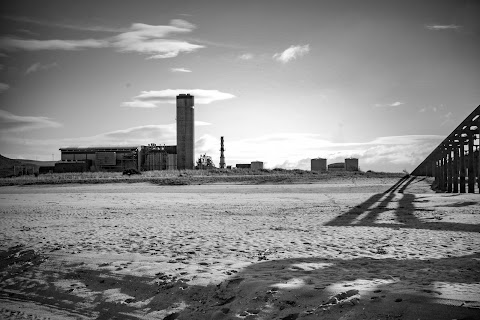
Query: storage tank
319	165
351	164
256	165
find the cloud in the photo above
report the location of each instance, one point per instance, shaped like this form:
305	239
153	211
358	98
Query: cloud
141	38
4	87
180	70
393	153
151	99
14	44
447	118
246	56
439	27
14	123
202	123
148	39
38	67
393	104
3	55
292	53
64	25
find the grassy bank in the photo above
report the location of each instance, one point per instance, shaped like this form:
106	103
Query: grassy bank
193	177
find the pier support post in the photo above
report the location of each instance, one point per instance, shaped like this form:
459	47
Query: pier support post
455	167
461	149
444	169
471	169
449	169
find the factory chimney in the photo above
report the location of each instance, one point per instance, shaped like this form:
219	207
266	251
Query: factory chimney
185	132
222	156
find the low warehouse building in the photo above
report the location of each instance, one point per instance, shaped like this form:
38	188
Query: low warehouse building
104	158
338	166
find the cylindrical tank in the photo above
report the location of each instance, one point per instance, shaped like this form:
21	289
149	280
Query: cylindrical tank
351	164
318	164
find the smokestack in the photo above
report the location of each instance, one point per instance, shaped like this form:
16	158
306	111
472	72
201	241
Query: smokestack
185	132
222	156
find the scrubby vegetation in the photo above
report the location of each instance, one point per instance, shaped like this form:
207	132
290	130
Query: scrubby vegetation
186	177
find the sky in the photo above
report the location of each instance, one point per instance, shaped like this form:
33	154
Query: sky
282	81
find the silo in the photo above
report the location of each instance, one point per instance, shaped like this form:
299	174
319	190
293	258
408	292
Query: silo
351	164
185	132
319	164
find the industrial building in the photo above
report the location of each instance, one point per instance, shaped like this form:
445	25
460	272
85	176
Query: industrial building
97	159
142	158
320	165
254	165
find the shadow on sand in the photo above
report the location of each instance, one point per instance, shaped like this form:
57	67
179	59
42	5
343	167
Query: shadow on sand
368	213
288	289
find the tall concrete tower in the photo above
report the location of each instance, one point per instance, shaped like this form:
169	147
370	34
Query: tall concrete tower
222	155
185	132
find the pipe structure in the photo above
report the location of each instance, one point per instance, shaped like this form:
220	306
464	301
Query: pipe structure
455	162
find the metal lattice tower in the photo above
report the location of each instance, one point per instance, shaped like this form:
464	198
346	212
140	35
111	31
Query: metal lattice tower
222	155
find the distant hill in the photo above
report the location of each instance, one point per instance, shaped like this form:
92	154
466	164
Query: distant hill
36	162
7	164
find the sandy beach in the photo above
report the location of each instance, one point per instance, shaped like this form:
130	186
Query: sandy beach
366	248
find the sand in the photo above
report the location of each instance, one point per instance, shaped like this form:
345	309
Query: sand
365	248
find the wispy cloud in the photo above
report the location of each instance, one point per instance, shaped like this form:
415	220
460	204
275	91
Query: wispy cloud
15	44
14	123
440	27
65	25
447	118
180	70
425	109
152	99
393	104
4	87
292	53
246	56
39	67
151	40
134	136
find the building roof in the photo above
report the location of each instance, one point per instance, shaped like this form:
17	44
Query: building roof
109	148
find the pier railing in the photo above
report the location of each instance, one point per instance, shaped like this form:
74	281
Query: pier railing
455	162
